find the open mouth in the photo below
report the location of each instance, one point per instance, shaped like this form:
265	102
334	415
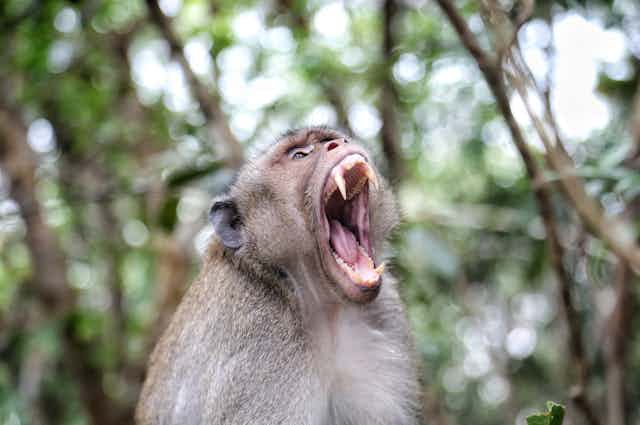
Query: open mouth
345	204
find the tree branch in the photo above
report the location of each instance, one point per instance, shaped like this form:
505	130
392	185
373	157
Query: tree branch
210	106
18	163
615	349
616	234
619	329
335	97
635	127
389	97
493	75
49	263
484	60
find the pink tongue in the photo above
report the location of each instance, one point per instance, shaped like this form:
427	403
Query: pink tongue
343	242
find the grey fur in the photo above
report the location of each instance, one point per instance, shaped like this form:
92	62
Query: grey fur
262	336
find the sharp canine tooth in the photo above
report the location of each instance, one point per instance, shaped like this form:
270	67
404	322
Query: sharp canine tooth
380	269
371	175
339	179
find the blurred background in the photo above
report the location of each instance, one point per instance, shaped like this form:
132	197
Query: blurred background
121	119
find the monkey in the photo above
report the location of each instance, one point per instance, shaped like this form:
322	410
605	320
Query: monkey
292	319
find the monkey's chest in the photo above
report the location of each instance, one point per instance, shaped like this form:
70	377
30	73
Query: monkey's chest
366	374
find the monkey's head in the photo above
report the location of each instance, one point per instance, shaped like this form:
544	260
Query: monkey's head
312	198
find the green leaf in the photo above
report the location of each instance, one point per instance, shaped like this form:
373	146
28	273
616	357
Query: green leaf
553	416
556	412
542	419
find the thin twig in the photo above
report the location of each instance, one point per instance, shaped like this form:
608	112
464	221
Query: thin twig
615	233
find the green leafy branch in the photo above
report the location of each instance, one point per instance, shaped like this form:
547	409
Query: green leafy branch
553	416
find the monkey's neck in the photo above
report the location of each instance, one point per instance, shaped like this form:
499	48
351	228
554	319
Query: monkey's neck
324	313
314	294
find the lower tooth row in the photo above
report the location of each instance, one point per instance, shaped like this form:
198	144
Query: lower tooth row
379	269
341	261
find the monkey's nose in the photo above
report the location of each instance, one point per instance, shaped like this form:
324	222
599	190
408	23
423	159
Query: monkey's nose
334	144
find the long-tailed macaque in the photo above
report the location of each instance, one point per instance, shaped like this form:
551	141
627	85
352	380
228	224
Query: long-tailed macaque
292	320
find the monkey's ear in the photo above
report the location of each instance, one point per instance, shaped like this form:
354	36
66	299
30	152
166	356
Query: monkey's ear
227	223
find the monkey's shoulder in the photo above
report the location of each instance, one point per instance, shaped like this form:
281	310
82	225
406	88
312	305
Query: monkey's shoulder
226	360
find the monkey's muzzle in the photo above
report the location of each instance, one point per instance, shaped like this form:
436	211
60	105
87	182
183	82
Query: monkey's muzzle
346	213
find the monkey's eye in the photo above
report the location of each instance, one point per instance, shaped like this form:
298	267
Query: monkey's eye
300	152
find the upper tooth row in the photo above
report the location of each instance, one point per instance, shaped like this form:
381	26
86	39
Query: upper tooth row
346	164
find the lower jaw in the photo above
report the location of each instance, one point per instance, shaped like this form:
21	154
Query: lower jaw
351	290
360	294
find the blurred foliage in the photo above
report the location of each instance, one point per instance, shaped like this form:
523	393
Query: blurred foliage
127	168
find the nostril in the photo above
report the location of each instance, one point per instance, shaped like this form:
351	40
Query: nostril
332	145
